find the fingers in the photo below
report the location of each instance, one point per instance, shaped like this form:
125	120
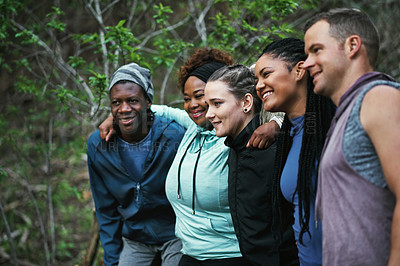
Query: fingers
251	142
106	128
110	134
255	143
103	133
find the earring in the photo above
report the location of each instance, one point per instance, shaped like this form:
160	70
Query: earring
245	110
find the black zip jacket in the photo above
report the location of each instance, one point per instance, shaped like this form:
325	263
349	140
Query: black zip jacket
250	201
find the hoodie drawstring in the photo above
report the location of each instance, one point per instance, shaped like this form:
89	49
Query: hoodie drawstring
194	172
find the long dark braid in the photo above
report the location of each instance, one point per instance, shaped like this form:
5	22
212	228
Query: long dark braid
317	119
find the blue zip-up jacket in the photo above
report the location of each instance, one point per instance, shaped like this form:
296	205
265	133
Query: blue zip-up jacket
134	207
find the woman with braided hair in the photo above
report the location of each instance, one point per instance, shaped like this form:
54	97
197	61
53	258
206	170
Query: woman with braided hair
285	86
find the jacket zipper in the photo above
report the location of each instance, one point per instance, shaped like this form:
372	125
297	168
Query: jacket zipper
137	192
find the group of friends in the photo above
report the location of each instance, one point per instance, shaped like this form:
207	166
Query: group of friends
215	184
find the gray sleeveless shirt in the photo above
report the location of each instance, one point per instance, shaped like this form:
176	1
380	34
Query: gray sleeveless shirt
353	200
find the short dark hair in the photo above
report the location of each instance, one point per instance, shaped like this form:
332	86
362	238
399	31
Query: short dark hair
345	22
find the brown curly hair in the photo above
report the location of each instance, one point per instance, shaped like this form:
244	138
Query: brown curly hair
201	57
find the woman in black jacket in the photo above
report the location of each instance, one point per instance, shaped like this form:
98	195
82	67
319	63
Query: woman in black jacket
233	111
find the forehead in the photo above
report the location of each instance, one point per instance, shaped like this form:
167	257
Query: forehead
318	34
216	89
128	89
193	84
267	61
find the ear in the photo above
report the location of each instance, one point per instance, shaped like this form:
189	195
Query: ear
352	45
148	104
247	103
299	70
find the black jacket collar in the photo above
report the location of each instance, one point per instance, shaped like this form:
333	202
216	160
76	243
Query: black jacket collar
241	140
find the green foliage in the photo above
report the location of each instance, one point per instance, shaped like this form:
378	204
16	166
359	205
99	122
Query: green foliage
162	14
55	24
122	42
247	26
27	37
3	174
76	62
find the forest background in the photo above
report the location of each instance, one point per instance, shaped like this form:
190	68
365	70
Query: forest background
55	61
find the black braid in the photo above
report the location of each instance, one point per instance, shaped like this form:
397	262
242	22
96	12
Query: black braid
317	119
283	144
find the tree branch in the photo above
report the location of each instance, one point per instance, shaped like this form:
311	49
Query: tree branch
9	236
26	184
199	22
155	33
164	83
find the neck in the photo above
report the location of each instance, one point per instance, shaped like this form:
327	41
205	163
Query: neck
243	125
134	138
298	106
355	70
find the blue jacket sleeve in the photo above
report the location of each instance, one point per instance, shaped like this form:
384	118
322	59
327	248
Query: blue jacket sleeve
110	222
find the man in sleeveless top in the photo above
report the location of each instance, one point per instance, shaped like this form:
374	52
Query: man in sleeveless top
358	196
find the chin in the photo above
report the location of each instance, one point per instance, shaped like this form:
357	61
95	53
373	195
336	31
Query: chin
219	134
268	108
320	91
206	125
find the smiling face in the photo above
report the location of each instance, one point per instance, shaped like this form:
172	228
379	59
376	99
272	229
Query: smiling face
225	112
326	60
278	88
195	105
129	109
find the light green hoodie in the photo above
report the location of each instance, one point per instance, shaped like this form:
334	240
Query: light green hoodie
209	232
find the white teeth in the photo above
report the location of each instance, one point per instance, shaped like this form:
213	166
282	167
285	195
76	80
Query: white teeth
265	95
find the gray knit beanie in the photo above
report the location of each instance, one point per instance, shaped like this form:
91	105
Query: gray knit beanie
136	74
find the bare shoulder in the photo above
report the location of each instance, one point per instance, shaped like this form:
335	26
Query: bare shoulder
380	118
384	91
380	105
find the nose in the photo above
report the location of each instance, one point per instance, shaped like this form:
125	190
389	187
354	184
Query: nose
125	107
308	63
209	113
193	103
259	86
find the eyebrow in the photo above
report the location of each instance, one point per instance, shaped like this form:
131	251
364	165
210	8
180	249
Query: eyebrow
215	99
196	91
312	47
262	69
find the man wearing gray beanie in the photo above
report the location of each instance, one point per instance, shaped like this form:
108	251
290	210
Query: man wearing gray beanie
127	175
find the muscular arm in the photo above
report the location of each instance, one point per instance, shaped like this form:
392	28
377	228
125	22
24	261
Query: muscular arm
380	117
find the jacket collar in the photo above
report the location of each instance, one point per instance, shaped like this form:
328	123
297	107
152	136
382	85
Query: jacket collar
241	140
157	130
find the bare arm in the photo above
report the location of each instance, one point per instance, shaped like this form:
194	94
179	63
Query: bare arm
380	117
106	128
180	116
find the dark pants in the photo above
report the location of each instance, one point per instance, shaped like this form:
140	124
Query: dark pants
189	261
